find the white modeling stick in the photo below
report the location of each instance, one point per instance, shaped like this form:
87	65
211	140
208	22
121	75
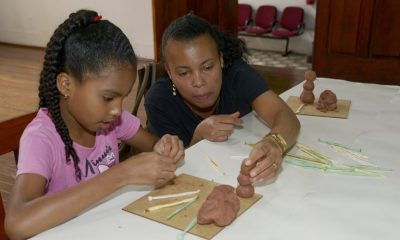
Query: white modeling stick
151	198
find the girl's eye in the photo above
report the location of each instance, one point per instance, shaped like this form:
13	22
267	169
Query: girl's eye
107	98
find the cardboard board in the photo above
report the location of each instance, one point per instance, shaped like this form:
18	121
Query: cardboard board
184	183
342	110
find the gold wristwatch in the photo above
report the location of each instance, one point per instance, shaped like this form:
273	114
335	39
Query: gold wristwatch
279	140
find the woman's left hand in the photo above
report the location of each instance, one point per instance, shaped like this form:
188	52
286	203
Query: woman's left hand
170	146
266	156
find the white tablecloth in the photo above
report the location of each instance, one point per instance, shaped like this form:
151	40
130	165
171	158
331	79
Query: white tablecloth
301	203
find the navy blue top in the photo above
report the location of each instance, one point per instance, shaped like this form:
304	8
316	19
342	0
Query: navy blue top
167	113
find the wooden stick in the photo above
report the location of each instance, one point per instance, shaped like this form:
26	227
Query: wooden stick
299	109
160	206
215	166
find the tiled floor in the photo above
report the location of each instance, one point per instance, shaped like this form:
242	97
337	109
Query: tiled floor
275	59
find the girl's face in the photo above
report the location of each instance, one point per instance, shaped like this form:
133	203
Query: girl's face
195	67
96	102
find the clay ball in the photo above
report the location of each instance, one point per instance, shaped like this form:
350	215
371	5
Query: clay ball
246	191
327	101
243	180
220	207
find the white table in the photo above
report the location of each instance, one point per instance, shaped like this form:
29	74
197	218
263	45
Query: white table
302	203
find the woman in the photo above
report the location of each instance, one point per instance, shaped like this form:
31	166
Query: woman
208	87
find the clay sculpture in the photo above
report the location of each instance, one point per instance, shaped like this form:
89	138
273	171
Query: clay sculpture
220	207
307	96
245	188
327	101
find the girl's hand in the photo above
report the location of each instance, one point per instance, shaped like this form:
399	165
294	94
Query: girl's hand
170	146
148	168
267	158
217	128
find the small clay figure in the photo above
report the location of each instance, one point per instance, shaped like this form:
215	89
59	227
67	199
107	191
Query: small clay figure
245	188
220	207
327	101
307	96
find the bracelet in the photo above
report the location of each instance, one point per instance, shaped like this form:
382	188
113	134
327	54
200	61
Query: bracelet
279	140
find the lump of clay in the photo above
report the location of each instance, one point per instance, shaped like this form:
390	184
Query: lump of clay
307	96
327	101
220	207
245	188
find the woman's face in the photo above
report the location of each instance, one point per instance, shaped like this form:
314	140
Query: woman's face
95	103
195	67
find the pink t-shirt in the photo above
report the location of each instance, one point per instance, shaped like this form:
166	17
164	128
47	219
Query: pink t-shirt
42	151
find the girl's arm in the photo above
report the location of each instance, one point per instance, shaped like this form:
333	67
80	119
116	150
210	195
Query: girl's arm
30	212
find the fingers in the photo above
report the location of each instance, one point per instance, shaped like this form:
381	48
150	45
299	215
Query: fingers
172	147
267	160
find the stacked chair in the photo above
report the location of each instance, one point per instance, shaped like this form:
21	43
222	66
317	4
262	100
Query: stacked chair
265	25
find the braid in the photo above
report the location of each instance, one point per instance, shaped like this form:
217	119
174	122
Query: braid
73	48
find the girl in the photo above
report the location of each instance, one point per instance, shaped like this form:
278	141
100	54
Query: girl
69	153
208	87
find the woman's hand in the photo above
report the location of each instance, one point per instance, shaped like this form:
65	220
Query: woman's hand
216	128
170	146
266	155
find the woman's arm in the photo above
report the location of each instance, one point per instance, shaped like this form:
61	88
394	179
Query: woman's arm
267	153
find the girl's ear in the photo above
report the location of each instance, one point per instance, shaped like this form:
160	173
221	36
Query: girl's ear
63	84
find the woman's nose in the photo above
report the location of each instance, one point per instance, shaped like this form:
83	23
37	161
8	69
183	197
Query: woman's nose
198	80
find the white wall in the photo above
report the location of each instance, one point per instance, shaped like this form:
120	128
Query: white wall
32	22
301	44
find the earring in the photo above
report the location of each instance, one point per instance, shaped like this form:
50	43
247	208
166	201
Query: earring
66	96
173	89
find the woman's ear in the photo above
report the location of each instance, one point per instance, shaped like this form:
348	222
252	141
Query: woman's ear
221	59
63	84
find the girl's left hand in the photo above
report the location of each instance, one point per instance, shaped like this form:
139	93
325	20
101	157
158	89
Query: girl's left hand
170	146
267	159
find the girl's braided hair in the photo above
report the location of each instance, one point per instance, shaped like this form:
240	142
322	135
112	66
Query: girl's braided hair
81	44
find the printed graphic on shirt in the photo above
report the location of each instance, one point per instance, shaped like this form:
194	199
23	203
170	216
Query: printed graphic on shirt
102	163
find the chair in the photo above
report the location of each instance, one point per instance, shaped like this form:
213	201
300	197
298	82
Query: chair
290	25
244	16
264	21
147	75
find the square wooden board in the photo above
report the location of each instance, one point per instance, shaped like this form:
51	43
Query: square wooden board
184	183
342	110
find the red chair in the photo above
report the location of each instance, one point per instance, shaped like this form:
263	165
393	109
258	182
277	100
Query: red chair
244	16
290	25
264	21
3	235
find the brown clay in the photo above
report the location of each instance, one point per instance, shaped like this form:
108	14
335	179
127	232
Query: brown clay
243	180
246	191
220	207
327	101
307	96
245	188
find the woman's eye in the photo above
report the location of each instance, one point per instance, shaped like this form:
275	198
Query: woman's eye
182	74
208	67
107	98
